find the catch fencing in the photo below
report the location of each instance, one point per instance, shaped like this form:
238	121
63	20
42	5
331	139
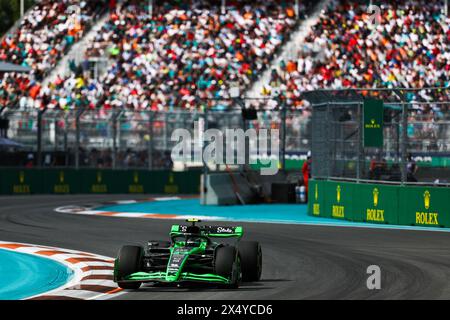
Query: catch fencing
351	142
126	139
366	147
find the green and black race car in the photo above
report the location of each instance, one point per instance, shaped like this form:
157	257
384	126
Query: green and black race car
191	256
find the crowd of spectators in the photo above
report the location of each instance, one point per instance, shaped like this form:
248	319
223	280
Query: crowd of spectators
44	35
191	49
183	51
408	48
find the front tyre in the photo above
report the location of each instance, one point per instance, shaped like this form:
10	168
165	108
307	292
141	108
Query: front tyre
250	253
228	265
129	261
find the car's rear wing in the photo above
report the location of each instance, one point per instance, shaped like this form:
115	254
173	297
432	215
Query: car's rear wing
211	231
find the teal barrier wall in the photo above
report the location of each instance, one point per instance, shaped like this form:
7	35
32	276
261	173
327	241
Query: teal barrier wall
376	203
92	181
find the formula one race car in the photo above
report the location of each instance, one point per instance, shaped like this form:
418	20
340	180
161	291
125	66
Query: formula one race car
191	256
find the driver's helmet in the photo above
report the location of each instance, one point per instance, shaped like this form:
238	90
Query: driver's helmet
193	230
193	242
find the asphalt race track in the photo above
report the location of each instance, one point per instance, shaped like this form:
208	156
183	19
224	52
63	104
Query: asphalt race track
299	262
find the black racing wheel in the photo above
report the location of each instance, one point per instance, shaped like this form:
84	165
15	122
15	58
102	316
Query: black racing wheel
227	264
129	261
250	253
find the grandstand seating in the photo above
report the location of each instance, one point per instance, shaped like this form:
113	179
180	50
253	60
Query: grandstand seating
45	34
190	50
166	61
409	48
161	62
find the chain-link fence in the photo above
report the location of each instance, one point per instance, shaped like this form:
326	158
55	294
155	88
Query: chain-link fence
137	139
142	139
416	137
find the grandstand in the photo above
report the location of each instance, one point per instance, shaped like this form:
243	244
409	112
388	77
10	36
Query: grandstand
185	48
408	49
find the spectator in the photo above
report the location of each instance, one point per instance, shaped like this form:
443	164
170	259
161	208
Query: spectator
30	161
378	167
306	170
411	169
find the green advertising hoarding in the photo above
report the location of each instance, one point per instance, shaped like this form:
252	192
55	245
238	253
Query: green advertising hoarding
380	204
338	202
97	181
373	123
17	181
425	206
376	203
316	198
64	181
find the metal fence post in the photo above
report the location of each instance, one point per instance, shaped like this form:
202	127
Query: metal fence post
150	142
359	144
241	103
114	151
115	118
203	146
66	145
39	136
404	141
404	135
77	138
166	122
329	161
3	131
283	135
396	135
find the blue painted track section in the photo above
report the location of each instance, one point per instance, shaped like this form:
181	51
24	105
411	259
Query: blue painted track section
273	213
24	275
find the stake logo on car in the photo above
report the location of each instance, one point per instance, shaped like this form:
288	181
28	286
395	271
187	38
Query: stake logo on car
224	230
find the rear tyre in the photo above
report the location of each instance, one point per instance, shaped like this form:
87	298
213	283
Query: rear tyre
250	253
227	264
129	261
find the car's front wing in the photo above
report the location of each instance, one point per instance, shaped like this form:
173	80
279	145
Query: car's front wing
184	277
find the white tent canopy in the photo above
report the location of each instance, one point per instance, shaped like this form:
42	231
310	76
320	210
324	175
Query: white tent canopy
9	67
